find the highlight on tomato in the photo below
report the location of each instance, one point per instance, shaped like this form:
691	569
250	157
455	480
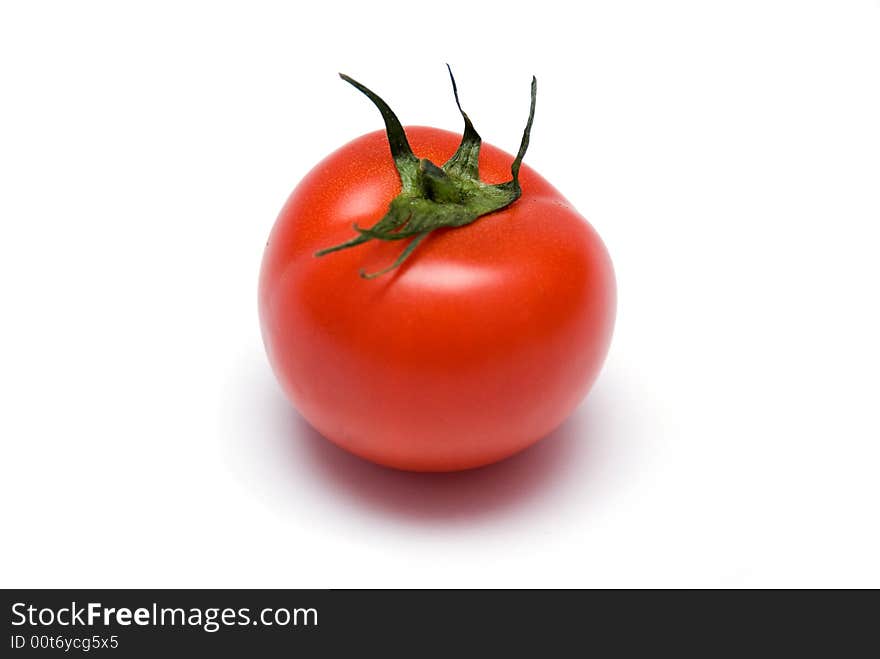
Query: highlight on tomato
431	303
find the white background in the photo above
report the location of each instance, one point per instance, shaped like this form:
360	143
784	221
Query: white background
728	153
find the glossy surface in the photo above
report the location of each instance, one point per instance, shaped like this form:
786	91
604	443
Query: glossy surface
478	346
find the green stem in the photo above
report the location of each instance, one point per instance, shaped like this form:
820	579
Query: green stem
434	197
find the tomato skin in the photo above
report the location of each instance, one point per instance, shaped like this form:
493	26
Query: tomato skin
478	346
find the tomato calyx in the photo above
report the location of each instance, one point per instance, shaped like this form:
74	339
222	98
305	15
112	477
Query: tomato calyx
431	196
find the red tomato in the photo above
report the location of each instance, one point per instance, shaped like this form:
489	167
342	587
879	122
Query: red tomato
479	345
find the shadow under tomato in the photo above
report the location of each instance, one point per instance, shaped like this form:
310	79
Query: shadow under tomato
458	496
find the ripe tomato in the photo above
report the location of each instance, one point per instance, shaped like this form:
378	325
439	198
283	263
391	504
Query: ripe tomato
477	346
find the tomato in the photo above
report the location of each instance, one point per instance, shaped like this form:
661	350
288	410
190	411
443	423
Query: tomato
480	344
